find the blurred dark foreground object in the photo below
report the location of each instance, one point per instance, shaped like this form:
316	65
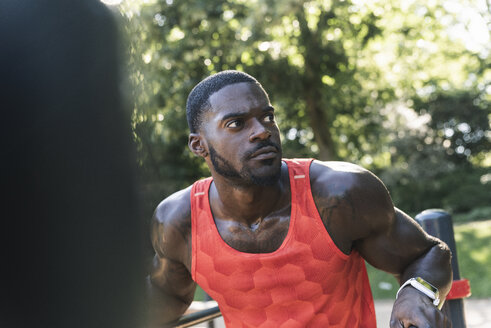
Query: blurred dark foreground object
70	249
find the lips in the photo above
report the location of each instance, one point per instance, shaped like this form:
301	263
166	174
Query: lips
265	153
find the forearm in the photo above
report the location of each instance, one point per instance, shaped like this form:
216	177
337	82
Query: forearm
163	308
434	266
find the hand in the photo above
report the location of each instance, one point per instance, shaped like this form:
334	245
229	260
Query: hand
414	309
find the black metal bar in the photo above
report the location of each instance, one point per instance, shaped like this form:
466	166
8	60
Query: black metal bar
195	318
438	223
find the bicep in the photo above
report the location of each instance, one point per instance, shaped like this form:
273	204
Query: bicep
170	237
395	243
172	278
170	291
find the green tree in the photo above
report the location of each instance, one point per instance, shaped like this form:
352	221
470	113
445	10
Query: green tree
334	69
440	163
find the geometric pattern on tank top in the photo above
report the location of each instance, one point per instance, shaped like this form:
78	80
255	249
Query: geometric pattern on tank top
306	282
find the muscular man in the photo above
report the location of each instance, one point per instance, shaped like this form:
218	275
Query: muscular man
278	242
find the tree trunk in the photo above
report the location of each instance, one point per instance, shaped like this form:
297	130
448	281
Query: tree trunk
320	127
312	90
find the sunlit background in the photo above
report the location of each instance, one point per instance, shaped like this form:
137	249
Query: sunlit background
111	2
399	87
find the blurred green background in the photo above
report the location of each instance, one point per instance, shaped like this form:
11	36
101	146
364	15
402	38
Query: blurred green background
399	87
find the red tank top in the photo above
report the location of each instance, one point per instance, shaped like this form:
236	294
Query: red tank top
306	282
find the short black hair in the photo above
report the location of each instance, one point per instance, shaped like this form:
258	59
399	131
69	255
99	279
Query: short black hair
198	99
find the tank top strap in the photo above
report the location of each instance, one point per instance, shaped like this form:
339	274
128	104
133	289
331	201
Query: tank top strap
299	171
199	206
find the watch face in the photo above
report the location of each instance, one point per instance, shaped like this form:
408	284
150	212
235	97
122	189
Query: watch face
427	285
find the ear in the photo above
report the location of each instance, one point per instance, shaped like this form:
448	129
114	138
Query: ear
198	145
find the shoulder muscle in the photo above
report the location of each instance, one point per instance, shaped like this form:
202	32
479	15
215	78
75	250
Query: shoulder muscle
363	205
171	226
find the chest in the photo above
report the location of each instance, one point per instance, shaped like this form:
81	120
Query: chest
263	236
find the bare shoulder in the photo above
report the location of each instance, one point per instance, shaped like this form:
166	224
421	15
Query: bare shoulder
171	226
351	200
341	177
175	208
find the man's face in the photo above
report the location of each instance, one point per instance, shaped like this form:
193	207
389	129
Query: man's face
242	135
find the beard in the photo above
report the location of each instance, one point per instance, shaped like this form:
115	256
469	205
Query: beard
223	167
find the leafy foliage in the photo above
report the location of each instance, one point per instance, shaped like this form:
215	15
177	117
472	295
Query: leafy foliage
343	76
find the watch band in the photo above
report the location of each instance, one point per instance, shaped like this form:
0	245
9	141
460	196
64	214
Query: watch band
424	287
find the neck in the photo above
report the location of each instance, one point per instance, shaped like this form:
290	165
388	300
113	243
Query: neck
247	204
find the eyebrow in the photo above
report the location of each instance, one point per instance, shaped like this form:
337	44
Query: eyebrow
240	114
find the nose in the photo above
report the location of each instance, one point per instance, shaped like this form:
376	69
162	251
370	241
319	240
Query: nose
259	132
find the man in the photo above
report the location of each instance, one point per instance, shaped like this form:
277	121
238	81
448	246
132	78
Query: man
282	243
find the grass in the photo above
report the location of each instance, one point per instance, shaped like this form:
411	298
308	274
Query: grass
477	214
474	256
199	295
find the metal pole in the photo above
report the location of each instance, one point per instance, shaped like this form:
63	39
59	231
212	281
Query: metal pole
211	323
438	223
198	317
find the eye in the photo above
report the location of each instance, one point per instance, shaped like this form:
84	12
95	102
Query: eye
234	124
269	118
